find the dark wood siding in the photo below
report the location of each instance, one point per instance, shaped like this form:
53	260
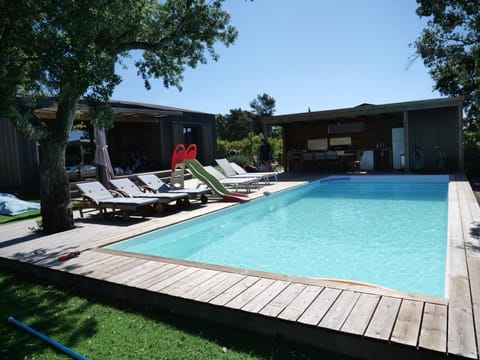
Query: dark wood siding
431	131
376	130
19	164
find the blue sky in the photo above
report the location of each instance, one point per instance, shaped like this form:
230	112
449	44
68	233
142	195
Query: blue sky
317	54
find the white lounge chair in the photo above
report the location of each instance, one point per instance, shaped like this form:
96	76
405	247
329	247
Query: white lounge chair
232	169
235	183
96	196
128	188
155	184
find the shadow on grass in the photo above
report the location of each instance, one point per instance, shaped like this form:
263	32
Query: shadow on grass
96	328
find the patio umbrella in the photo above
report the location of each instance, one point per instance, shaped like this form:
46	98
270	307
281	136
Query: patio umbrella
102	158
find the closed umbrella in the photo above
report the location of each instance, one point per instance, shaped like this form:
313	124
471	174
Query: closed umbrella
102	158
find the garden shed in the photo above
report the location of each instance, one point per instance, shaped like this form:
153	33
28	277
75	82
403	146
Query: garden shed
421	136
142	139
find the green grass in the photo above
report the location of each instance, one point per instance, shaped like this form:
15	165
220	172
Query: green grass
98	330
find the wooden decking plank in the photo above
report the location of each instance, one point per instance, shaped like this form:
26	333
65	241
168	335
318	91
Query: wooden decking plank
104	263
164	273
166	281
249	294
200	289
259	302
125	265
359	318
296	308
383	319
319	307
158	269
470	215
137	271
433	333
281	301
461	334
100	269
189	282
220	287
461	331
407	326
124	274
78	264
234	290
338	313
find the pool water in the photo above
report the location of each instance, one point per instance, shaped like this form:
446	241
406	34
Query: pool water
389	231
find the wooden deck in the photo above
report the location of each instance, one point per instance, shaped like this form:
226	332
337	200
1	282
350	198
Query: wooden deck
351	319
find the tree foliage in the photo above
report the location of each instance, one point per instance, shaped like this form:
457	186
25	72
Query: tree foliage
234	126
238	124
68	49
450	48
262	105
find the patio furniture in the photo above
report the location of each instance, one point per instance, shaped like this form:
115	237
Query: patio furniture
232	169
236	182
96	196
128	188
155	184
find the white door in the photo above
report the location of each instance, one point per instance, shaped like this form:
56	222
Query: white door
398	147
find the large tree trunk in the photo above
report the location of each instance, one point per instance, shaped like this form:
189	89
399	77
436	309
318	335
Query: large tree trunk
56	212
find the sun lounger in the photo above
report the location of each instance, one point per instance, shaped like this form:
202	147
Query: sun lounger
232	170
128	188
96	196
155	184
236	183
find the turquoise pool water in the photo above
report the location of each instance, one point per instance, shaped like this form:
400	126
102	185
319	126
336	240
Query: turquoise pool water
385	230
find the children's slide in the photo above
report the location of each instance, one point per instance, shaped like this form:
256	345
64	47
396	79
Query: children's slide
187	157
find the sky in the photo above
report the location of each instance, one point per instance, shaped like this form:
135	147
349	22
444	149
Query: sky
306	54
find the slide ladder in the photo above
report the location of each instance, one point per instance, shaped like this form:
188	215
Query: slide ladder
187	157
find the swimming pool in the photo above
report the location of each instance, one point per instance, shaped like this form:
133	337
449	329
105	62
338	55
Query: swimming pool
385	230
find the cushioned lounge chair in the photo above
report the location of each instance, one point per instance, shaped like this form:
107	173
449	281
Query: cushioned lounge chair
96	196
155	184
232	169
236	182
128	188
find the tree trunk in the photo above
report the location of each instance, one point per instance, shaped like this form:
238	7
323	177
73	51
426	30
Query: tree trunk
57	215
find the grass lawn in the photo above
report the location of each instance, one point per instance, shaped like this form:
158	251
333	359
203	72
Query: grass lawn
98	330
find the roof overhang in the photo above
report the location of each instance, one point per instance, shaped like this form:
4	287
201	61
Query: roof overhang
363	111
120	113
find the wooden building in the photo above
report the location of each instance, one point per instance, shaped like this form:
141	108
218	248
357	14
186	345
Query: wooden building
142	139
423	136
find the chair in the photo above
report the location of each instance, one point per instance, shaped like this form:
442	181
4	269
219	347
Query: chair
235	183
155	184
232	169
128	188
96	196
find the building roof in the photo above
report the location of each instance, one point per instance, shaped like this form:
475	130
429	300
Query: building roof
363	110
123	110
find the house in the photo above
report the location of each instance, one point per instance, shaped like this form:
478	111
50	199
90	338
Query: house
423	136
142	139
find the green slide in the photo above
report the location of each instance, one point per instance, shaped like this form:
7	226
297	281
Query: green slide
211	181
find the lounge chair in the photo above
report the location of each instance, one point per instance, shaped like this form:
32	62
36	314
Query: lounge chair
235	182
155	184
232	169
128	188
96	196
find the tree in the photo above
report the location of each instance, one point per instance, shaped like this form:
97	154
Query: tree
450	48
234	126
263	105
68	49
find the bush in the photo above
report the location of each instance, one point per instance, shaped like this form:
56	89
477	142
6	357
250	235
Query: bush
472	154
